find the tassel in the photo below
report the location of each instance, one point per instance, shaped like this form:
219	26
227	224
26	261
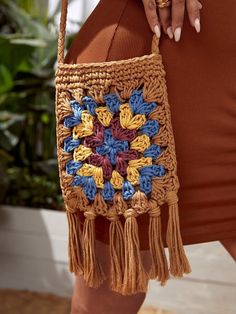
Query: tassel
116	235
135	277
178	261
75	251
159	268
93	273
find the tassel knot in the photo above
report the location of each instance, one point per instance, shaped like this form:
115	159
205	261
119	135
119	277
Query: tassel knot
171	197
154	209
90	215
130	212
112	214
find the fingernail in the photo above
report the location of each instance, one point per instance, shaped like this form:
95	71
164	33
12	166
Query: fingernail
157	31
197	25
170	32
177	33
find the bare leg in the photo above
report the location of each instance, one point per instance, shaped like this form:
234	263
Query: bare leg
102	300
230	246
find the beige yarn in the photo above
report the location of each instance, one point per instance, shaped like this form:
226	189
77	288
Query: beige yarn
127	275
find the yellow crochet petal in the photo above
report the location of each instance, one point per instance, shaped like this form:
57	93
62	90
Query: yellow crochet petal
140	143
133	175
125	115
98	177
128	121
136	122
91	170
116	180
104	115
85	128
86	117
86	170
141	162
81	153
81	131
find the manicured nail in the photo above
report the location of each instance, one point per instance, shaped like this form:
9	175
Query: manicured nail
177	33
157	31
170	32
197	25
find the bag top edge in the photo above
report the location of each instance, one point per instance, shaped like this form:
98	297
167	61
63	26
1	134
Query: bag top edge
108	63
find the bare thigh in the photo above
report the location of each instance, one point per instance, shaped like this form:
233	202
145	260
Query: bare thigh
103	300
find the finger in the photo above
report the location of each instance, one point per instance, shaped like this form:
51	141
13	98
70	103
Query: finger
165	19
152	17
193	8
178	8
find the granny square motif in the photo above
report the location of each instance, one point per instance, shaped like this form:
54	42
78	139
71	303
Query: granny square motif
112	145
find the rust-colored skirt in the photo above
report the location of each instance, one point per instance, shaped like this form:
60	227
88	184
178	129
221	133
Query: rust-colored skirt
201	76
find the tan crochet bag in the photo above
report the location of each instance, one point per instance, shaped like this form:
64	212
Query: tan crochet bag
116	155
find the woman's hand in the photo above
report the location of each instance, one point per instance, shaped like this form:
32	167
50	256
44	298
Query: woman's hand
170	18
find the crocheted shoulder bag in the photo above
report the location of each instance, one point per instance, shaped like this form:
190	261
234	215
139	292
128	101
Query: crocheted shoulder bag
116	155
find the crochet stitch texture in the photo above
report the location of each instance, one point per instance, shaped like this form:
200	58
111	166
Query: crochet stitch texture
116	155
112	145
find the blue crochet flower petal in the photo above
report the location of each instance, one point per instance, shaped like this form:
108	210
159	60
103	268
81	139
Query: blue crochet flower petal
112	102
138	105
79	181
71	121
88	185
147	107
108	191
90	104
72	166
145	184
150	128
103	149
127	190
108	138
70	144
152	171
136	100
90	188
77	108
152	151
112	155
121	146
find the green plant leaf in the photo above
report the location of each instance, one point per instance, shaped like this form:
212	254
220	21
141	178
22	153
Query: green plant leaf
6	81
35	8
27	25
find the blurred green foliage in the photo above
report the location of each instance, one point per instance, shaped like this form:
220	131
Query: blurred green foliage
28	48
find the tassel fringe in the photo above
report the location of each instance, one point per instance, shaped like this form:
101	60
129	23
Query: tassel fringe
75	250
116	235
127	273
178	261
135	277
93	272
159	269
